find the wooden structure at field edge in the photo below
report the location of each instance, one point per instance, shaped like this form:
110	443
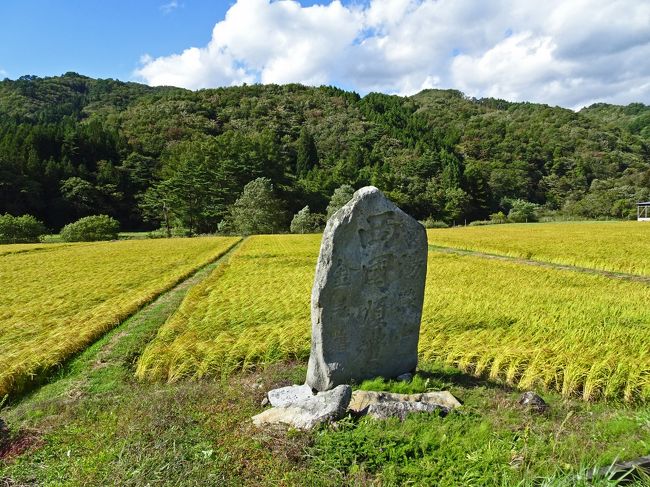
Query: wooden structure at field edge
643	211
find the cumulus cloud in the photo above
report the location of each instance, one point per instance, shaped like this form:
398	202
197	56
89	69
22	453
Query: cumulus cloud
557	52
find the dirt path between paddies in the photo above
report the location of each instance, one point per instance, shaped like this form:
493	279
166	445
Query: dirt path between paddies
550	265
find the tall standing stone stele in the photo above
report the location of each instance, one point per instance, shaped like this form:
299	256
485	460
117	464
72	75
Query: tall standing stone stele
366	303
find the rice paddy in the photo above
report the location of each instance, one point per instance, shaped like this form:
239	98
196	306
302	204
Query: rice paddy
19	248
55	302
609	246
579	334
251	311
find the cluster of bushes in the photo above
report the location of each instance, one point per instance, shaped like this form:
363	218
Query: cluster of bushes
20	229
431	223
307	222
91	229
27	229
521	211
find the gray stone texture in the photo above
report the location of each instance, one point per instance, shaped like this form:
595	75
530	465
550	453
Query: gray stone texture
286	396
401	409
366	303
308	413
533	402
362	400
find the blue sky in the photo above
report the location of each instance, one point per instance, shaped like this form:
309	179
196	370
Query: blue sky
100	38
568	53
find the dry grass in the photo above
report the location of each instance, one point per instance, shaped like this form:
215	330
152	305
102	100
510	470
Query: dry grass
579	334
610	246
54	303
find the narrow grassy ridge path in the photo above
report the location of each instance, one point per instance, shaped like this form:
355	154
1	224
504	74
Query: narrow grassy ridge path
539	263
119	349
67	335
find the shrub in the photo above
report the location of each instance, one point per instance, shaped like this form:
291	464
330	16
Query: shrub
431	223
480	223
20	229
341	196
499	217
256	211
523	211
306	222
91	229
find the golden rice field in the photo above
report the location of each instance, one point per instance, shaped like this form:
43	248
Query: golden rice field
577	333
532	326
610	246
253	310
19	248
55	302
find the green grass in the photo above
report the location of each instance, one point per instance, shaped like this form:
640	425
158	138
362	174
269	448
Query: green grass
97	426
419	383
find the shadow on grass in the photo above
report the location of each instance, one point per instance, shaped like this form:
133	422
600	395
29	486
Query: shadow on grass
451	376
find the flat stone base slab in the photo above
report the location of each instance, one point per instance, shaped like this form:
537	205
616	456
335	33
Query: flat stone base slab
286	396
401	409
362	400
308	413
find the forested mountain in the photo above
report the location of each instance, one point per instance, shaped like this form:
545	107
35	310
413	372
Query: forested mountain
71	146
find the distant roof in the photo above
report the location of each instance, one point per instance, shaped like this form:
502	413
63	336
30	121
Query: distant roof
643	204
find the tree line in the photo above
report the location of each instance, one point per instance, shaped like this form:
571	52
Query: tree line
72	146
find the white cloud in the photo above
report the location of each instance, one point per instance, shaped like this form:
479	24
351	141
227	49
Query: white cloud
3	73
557	52
169	7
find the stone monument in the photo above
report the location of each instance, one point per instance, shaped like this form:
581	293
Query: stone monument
366	303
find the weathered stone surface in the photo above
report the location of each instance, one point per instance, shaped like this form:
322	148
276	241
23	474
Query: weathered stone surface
286	396
362	400
310	412
366	302
401	409
533	402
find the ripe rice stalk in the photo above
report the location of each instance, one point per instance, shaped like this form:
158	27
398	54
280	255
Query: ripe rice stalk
54	303
609	246
532	327
254	310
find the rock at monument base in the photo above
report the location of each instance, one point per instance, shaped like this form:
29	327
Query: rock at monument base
286	396
626	472
308	413
362	400
368	291
533	402
401	409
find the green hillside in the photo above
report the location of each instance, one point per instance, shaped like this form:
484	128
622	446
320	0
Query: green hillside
72	146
